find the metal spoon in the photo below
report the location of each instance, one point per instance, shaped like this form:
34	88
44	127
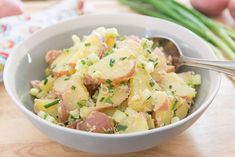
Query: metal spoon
172	49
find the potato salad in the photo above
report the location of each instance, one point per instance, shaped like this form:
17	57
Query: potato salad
112	84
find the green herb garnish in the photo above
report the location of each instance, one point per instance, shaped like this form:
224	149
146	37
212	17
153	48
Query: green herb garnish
149	51
45	81
111	62
123	58
83	62
52	103
108	100
151	82
87	44
73	87
67	78
81	103
108	81
174	105
120	127
102	99
108	52
53	67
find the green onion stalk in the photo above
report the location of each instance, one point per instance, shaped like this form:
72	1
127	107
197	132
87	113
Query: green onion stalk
219	37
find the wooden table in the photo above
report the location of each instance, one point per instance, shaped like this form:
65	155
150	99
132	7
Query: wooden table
213	135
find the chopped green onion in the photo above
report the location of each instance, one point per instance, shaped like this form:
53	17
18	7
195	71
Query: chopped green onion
151	82
45	81
108	100
111	62
73	87
120	127
123	58
81	103
87	44
52	103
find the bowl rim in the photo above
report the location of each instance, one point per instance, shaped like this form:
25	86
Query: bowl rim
32	115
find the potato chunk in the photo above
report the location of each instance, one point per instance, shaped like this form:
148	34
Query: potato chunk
42	105
172	82
142	87
97	122
115	67
114	95
75	94
60	66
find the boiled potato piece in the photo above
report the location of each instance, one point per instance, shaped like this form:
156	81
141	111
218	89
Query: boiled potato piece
47	84
163	117
97	122
172	82
191	78
134	122
132	43
142	86
115	67
110	94
92	44
61	84
41	105
75	94
182	111
162	109
60	66
119	116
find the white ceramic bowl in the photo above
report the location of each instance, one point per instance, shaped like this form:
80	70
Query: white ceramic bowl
26	63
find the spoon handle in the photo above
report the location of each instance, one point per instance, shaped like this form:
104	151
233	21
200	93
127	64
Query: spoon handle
227	67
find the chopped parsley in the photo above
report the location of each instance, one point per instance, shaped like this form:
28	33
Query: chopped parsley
81	103
83	62
73	87
109	52
52	103
87	44
149	51
174	105
108	81
149	97
111	62
151	82
45	81
120	127
53	67
110	87
108	100
67	78
123	58
155	62
102	99
170	86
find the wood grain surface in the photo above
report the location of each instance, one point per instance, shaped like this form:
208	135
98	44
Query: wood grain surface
213	135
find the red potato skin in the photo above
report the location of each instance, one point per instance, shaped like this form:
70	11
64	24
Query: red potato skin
97	122
209	7
231	7
62	113
164	107
52	55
